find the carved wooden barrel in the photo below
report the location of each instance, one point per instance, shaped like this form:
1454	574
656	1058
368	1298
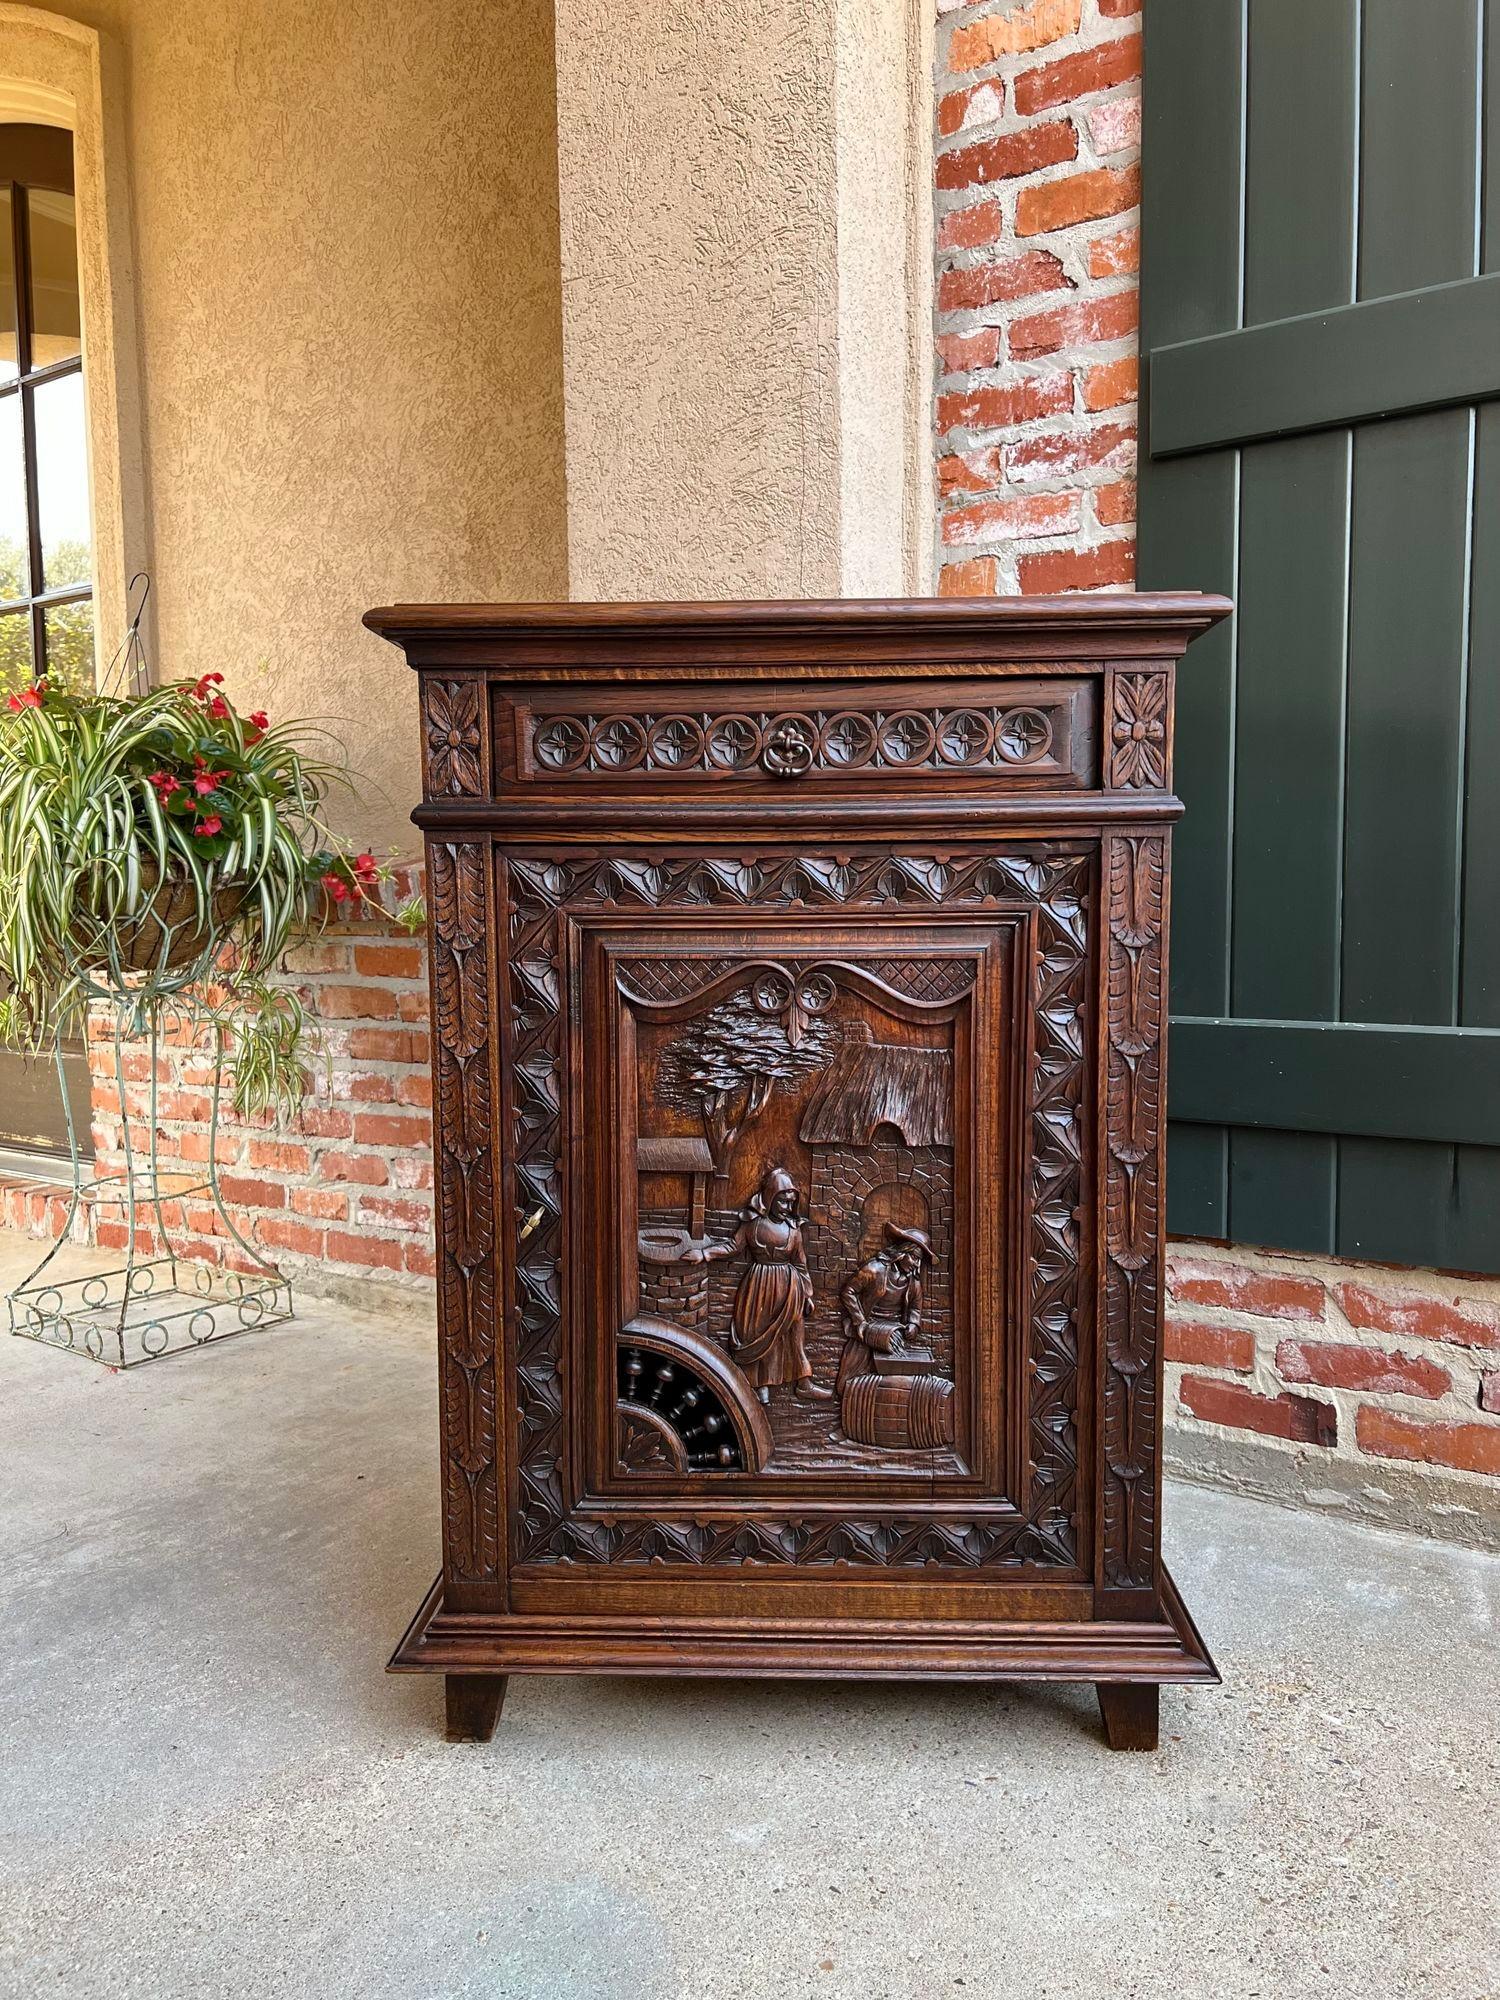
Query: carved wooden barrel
899	1412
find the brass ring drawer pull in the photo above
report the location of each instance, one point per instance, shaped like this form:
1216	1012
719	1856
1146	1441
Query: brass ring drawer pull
789	748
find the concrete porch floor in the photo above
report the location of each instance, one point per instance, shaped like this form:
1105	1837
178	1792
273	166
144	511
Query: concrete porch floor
211	1788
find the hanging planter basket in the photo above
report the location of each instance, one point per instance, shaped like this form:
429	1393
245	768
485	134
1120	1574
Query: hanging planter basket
169	936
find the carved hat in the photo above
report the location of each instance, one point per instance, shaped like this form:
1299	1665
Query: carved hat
896	1232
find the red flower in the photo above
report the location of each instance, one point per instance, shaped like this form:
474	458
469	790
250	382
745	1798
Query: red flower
206	780
215	704
259	724
337	887
207	828
165	784
30	697
366	870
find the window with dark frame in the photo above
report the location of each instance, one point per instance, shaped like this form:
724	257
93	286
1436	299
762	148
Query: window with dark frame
46	555
46	540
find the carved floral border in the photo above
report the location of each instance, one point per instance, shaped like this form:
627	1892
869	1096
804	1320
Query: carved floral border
912	737
453	730
537	892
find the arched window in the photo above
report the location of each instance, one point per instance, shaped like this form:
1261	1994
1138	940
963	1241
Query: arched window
46	556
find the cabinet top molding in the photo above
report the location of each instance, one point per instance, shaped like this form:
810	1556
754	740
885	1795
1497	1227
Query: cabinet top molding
1127	625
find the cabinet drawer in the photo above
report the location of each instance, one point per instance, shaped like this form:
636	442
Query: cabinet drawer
1004	732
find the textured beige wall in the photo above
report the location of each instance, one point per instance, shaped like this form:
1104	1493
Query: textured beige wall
741	277
349	316
700	297
883	126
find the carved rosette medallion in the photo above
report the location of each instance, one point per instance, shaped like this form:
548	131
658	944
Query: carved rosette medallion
788	744
1133	1303
453	732
1136	750
540	894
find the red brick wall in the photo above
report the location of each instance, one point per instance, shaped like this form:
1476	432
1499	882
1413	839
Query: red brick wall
1359	1361
1038	179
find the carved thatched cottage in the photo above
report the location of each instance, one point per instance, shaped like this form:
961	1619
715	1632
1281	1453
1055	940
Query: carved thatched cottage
879	1127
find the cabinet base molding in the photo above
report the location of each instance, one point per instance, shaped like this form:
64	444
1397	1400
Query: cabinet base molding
1126	1660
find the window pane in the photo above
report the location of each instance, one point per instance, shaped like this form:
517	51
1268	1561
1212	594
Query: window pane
14	558
7	292
15	652
62	478
54	278
68	633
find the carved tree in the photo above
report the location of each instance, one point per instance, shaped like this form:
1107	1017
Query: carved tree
728	1062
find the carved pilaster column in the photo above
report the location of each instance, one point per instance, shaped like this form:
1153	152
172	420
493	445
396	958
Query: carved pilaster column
1131	1331
461	933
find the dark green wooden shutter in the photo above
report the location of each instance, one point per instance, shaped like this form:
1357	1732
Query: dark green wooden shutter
1320	439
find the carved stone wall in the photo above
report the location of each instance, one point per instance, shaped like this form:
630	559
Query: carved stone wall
677	1292
723	1279
842	1181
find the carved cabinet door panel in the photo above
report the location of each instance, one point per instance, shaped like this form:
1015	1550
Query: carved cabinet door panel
793	1267
810	1282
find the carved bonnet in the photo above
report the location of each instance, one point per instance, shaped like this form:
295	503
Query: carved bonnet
775	1181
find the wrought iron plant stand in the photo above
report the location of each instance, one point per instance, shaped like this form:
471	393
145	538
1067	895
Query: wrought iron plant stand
158	1301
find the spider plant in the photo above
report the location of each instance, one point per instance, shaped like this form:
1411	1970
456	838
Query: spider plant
158	845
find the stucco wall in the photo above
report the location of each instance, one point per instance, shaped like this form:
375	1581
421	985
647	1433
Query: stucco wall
350	278
741	280
700	278
349	320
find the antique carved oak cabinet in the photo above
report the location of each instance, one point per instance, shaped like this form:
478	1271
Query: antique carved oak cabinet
798	979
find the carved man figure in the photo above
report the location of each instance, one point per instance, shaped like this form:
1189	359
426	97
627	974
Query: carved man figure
882	1302
775	1294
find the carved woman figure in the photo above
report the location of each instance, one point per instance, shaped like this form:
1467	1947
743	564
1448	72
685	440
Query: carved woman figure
775	1294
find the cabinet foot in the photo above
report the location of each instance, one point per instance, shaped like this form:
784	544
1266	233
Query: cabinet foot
1131	1712
472	1703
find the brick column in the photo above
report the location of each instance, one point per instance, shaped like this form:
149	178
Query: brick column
1038	178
